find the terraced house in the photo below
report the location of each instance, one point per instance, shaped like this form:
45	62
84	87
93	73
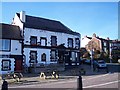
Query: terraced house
47	41
11	57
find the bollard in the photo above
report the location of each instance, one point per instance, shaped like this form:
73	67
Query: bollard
79	83
4	85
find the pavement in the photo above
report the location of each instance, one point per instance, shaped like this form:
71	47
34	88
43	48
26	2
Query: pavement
68	74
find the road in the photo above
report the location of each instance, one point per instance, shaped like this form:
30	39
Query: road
109	80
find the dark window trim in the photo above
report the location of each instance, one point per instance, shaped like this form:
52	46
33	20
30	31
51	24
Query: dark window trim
55	56
9	46
43	38
30	56
55	40
35	38
69	42
42	57
76	43
9	64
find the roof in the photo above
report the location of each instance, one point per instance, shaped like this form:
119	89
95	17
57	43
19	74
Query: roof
46	24
98	38
9	31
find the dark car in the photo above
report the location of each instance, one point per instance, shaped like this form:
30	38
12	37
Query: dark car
100	64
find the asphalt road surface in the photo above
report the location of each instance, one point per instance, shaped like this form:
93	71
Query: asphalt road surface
109	80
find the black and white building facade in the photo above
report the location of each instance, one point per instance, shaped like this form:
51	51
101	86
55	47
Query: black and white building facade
47	41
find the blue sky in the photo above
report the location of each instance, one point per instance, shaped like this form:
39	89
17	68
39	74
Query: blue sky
84	17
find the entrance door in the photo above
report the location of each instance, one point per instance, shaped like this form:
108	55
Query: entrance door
18	65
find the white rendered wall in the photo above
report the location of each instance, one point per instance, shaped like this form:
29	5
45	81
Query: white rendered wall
84	42
61	37
39	53
15	48
18	22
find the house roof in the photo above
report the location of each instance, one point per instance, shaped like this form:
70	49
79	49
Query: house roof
9	31
46	24
98	38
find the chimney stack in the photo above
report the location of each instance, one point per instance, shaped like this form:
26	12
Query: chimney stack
22	16
108	38
94	35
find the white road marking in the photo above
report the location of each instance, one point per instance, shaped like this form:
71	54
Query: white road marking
96	77
70	81
101	84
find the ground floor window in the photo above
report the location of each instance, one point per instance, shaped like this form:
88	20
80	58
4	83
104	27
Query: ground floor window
6	65
43	57
33	56
73	56
53	56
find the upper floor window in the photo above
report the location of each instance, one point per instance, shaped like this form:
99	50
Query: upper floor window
105	44
4	45
53	41
33	40
33	56
70	42
77	43
43	41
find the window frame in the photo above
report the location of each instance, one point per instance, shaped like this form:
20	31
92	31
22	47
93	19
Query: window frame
35	37
69	42
77	44
55	40
73	56
9	67
31	60
43	38
1	45
55	58
43	60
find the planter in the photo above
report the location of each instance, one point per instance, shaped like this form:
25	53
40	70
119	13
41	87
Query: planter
119	61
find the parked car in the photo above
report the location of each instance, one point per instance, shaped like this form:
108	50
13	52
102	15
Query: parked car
87	61
100	64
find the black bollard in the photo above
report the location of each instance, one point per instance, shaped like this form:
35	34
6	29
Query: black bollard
4	85
79	83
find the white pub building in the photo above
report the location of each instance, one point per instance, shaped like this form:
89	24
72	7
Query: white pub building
47	41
